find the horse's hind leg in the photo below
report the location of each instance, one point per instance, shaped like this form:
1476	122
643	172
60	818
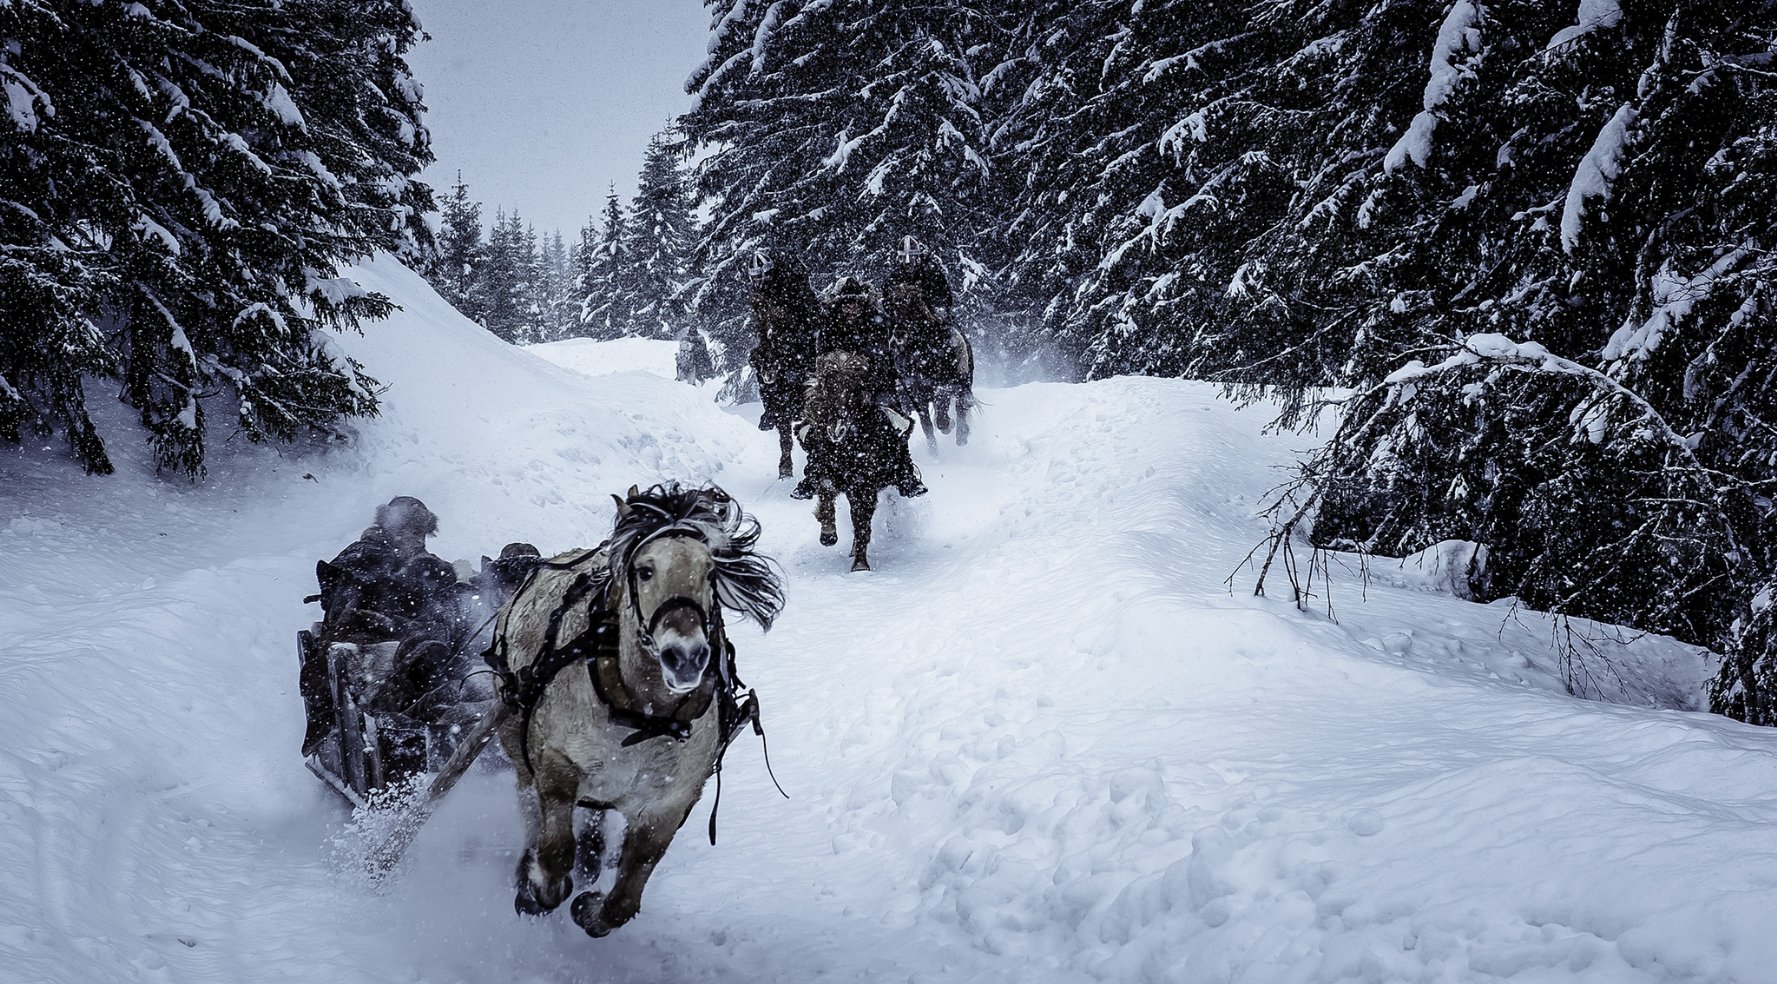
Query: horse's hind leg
644	843
925	424
545	871
964	404
826	513
863	509
786	468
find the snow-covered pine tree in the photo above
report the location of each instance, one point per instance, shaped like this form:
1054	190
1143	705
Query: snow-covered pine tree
1598	188
580	271
555	296
504	296
832	129
197	262
606	281
461	252
532	289
661	231
1145	149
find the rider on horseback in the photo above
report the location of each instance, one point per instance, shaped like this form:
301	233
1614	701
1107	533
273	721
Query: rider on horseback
916	272
855	325
918	301
786	319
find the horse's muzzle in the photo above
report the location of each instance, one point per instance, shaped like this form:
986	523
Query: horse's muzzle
682	663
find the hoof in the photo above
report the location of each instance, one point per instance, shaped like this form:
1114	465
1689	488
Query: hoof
829	536
535	896
860	564
588	911
786	471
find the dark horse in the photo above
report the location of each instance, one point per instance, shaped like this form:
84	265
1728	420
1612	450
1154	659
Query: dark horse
850	442
624	686
786	318
935	363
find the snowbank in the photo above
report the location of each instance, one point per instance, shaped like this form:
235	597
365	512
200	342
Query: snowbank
1044	741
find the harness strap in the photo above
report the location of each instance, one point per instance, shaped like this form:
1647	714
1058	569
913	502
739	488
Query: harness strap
523	689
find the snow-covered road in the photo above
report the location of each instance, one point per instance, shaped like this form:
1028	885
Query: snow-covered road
1043	741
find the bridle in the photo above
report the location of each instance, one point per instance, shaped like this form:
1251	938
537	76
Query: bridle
647	624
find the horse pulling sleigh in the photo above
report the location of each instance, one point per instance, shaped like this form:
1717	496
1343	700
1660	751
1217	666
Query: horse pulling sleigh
615	689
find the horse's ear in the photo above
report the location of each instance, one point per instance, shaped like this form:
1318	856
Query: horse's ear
622	505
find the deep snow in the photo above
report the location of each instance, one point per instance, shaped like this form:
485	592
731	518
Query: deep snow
1043	741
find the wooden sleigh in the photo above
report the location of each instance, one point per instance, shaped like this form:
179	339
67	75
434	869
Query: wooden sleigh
366	752
370	758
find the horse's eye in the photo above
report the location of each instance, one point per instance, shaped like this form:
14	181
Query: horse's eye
645	574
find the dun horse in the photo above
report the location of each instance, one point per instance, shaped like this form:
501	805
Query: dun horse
624	686
850	443
935	362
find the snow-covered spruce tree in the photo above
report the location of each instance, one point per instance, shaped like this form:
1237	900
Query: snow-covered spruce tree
661	231
1148	152
556	300
461	252
195	263
832	129
1599	188
533	289
504	291
606	284
580	276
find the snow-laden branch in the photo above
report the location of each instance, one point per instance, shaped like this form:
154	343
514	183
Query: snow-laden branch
1596	173
1459	34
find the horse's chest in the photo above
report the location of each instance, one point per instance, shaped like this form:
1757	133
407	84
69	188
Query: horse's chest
646	772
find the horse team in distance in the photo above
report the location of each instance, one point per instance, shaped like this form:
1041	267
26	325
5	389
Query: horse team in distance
849	377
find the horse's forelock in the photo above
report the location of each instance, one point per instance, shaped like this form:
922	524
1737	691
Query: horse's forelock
746	582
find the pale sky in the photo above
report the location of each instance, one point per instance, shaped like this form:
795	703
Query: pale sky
544	103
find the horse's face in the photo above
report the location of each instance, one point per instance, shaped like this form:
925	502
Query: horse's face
674	583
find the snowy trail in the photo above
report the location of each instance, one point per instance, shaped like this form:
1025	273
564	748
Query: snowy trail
1043	741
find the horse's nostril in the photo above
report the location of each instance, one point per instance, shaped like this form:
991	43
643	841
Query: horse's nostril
684	665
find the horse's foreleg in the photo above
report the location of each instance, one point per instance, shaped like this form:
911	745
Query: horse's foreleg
826	513
863	510
545	872
644	844
964	403
925	424
786	468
